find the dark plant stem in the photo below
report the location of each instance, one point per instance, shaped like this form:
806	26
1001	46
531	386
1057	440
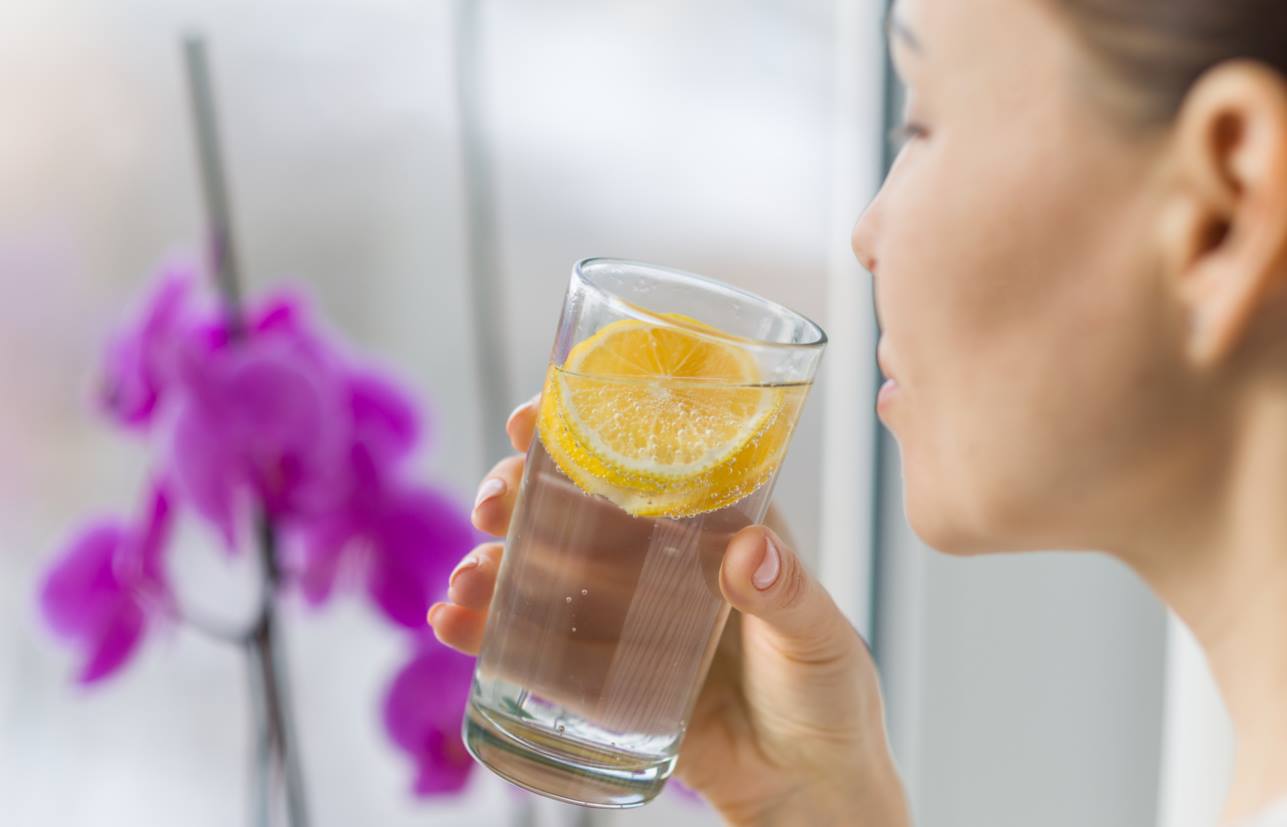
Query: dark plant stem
277	748
214	187
277	753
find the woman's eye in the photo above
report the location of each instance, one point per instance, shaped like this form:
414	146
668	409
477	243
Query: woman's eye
900	136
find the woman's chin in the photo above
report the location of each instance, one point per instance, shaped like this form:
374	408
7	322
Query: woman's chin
954	543
998	530
939	526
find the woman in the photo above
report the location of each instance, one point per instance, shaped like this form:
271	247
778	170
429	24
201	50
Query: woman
1081	269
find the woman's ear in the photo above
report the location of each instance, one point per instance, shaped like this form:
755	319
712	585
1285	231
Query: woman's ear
1225	232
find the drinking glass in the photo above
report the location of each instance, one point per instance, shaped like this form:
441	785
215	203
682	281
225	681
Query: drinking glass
667	407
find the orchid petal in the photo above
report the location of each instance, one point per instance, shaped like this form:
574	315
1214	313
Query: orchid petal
384	416
417	543
116	643
423	710
80	587
205	471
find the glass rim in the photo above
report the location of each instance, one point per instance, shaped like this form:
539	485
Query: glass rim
817	341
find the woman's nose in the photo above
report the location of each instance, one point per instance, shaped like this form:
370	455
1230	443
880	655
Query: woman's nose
864	236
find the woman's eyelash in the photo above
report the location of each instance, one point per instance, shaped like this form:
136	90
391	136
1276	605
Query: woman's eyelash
903	133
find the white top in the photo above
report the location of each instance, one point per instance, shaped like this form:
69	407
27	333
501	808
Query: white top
1275	816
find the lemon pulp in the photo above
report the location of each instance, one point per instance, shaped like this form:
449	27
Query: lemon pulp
664	420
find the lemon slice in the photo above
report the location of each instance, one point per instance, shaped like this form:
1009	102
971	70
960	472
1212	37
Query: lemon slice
663	420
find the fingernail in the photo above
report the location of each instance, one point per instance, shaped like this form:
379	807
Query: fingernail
767	574
490	489
468	563
434	609
524	406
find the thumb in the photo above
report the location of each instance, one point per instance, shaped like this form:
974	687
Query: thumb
763	578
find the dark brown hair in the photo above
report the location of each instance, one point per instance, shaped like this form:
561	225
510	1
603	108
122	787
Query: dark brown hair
1160	48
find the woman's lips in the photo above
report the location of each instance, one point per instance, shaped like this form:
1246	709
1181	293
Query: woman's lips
888	391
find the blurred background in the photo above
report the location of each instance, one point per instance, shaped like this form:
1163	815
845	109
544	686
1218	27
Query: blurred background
430	171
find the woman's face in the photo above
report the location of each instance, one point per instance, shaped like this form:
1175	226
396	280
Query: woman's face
1036	350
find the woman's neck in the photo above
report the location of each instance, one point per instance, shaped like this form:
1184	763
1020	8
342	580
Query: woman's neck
1223	569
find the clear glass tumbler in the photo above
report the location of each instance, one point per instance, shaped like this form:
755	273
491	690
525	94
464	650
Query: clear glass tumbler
667	408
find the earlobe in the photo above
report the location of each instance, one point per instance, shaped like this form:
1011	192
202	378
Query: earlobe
1224	231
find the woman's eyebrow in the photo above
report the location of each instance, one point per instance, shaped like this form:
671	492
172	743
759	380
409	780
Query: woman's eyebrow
898	30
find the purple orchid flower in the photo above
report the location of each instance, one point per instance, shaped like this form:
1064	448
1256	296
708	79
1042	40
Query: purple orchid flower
423	710
385	420
140	362
97	594
409	570
402	539
262	419
265	421
403	547
272	420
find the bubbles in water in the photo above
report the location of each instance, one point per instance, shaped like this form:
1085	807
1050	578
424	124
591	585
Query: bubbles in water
585	592
574	628
568	598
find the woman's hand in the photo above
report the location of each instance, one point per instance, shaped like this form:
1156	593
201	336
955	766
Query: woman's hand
789	727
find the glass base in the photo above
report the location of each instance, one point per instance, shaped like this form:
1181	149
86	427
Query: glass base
570	771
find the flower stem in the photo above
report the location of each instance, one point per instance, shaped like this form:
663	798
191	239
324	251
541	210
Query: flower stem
277	748
214	188
277	755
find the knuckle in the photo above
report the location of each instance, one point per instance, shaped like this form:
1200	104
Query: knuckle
511	467
490	552
505	467
794	589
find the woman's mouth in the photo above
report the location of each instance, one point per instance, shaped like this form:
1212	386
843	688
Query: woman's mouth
889	390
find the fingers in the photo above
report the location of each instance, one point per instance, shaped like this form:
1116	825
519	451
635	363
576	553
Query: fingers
765	579
458	627
474	579
459	623
495	500
521	424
